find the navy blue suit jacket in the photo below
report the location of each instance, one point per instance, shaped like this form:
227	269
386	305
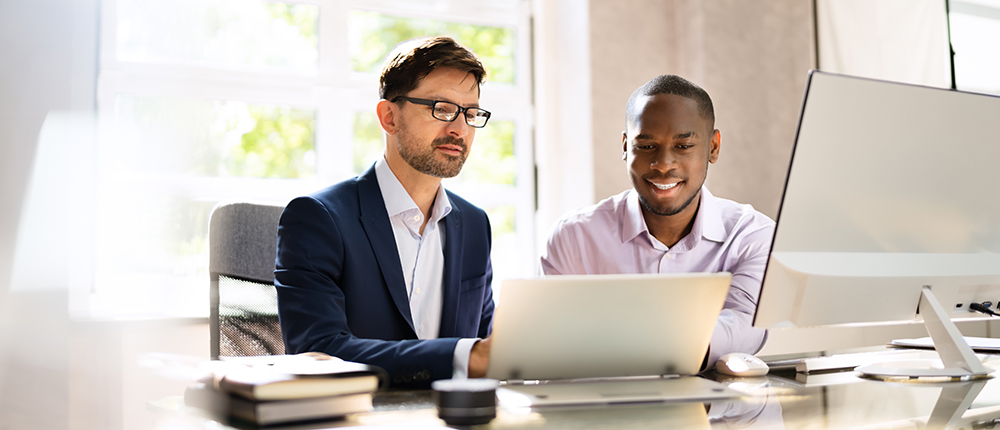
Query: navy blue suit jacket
341	290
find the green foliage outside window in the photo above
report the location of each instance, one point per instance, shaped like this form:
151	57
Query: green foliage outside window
373	35
491	160
301	16
242	34
501	220
185	226
216	138
367	141
280	145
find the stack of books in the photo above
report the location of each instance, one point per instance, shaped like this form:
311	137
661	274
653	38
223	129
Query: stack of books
293	389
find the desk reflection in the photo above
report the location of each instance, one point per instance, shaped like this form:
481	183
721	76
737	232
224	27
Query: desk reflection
848	401
760	409
840	402
630	416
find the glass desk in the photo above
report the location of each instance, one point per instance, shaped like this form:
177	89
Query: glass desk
782	401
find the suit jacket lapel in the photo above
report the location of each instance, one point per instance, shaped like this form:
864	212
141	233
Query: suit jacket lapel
375	221
452	272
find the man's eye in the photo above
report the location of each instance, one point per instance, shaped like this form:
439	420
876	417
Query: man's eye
644	147
684	146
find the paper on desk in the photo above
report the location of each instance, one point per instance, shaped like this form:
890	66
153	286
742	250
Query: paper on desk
981	344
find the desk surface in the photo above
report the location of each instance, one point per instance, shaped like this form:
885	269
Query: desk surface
829	401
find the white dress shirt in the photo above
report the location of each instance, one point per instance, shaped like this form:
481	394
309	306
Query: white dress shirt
421	257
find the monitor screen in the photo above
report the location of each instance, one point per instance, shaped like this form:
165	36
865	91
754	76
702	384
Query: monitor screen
891	187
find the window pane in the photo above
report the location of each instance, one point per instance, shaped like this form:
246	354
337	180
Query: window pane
505	254
279	146
213	138
373	35
367	141
253	34
501	220
152	252
975	30
491	160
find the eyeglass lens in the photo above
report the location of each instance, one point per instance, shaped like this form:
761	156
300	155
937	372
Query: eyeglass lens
446	111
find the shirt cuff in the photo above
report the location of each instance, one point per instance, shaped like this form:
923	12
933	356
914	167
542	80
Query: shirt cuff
463	349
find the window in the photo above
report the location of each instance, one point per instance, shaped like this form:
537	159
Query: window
208	100
975	30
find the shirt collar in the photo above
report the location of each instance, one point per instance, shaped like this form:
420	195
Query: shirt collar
707	223
709	216
633	224
398	201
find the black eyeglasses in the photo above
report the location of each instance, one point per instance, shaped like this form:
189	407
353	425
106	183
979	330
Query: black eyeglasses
448	111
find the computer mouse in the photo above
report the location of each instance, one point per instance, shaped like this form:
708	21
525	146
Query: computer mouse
740	364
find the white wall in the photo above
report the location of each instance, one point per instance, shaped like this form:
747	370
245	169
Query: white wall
47	61
47	65
36	76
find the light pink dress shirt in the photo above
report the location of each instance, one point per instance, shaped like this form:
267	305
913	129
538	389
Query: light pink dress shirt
611	237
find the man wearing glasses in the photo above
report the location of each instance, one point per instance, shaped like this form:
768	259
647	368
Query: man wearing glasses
389	268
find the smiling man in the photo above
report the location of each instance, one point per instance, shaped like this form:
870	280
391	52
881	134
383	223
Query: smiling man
389	268
669	222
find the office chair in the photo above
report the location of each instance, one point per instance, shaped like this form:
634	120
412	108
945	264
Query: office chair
243	320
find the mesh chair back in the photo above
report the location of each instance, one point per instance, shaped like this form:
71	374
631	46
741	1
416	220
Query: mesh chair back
244	304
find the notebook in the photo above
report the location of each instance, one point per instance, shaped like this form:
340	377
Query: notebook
599	326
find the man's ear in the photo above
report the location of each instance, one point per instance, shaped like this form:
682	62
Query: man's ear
388	116
715	146
624	145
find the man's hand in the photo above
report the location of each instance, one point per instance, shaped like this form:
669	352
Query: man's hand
479	358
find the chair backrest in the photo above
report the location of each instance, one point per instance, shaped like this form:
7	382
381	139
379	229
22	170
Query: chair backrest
244	306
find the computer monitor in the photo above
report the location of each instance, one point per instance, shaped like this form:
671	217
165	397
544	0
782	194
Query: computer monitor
891	209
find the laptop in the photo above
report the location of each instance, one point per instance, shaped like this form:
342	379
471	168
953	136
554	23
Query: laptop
567	328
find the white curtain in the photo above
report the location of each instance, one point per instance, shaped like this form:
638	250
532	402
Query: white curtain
895	40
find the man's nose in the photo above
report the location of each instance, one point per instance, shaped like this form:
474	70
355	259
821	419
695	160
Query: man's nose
663	160
458	128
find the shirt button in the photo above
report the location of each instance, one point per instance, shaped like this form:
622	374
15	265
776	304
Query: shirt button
416	218
418	291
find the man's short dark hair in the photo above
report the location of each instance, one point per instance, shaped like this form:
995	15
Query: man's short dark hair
413	60
678	86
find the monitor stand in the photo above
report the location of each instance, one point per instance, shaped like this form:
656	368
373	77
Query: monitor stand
958	361
952	403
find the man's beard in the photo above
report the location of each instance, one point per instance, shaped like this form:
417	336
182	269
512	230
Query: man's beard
668	211
425	161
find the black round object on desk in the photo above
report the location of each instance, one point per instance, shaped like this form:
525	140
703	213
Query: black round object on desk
466	402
